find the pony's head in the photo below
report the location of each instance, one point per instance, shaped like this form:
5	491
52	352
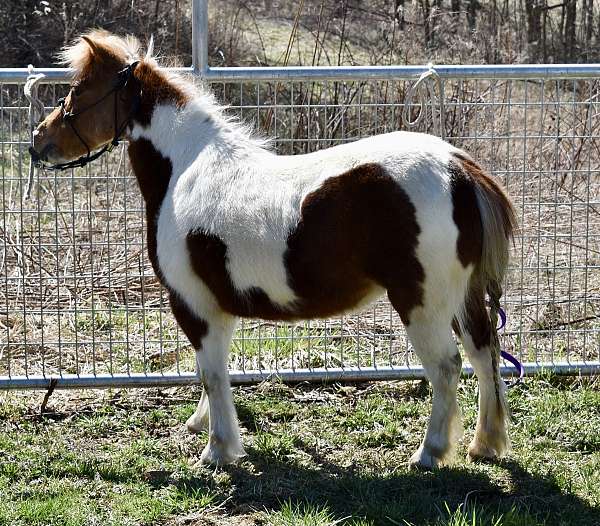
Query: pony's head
99	101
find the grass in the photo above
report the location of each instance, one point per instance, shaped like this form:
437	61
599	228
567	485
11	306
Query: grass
316	456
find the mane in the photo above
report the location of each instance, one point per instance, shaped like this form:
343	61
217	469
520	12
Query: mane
204	101
80	57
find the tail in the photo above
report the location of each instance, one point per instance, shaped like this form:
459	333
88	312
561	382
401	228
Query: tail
499	224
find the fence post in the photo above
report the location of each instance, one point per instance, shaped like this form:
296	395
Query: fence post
200	37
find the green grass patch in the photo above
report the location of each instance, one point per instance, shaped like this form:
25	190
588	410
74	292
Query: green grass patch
316	456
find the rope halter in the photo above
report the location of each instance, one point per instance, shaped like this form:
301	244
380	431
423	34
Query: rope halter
123	78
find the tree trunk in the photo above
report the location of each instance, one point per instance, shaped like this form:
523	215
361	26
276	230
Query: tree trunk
589	26
534	20
570	26
544	32
472	8
399	13
426	8
533	10
455	7
494	25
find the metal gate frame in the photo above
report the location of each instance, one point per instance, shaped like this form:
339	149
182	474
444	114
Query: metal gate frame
201	69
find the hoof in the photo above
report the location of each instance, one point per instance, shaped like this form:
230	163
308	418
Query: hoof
196	425
479	452
424	459
217	453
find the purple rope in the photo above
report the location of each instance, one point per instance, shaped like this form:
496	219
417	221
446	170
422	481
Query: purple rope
518	366
502	315
509	357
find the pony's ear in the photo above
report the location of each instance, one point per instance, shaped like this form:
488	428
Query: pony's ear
91	43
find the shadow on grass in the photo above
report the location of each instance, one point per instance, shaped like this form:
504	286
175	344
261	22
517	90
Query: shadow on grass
352	491
414	496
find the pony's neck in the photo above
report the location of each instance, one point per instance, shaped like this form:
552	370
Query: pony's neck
181	121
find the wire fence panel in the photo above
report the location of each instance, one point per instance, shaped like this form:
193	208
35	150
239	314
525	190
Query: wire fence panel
79	301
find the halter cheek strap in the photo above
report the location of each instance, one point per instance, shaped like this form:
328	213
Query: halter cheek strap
123	78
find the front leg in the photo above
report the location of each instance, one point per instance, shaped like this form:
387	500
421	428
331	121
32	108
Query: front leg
198	422
211	334
224	440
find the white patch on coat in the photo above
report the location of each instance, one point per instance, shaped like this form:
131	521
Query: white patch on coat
225	184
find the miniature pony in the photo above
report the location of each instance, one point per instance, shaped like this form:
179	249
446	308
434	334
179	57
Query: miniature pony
235	230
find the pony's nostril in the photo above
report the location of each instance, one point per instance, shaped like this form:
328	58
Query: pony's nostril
40	156
34	154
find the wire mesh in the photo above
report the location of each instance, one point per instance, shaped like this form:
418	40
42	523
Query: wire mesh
79	298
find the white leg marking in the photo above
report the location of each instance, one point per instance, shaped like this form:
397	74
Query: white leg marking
491	436
224	442
437	351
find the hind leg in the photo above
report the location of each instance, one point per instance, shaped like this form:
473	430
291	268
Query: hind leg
433	342
491	437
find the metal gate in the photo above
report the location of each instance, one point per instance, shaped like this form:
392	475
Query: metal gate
79	304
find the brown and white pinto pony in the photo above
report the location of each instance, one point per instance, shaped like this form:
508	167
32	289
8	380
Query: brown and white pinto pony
235	230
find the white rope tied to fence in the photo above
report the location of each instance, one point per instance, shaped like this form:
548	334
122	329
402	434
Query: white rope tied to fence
428	79
35	113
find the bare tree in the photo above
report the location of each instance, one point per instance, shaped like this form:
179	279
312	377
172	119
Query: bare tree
569	42
472	7
455	7
399	13
534	27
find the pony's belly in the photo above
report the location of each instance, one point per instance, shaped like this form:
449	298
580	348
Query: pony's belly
197	269
354	305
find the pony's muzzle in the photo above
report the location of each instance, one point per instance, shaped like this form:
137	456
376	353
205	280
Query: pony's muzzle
35	156
39	157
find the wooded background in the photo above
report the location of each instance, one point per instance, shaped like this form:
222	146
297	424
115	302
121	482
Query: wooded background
279	32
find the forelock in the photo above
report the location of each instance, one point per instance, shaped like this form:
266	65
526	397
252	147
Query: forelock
80	57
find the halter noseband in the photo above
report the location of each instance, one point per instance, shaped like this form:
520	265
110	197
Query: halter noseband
123	78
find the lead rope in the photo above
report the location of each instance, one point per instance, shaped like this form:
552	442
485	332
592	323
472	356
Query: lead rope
509	357
35	113
426	82
496	311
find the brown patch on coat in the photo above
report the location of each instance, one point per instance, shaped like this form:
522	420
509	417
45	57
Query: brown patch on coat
494	191
465	212
208	257
466	175
193	327
153	173
356	231
156	88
